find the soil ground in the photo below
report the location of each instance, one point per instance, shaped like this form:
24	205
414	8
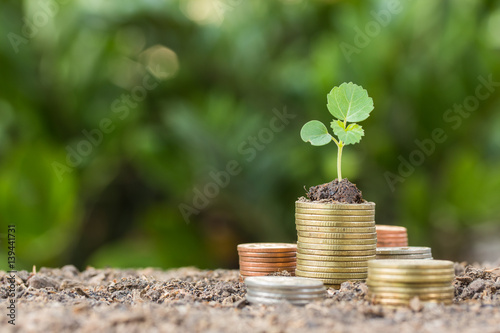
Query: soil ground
192	300
335	191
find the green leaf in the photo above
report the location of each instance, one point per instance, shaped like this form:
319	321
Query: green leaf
349	102
316	133
350	135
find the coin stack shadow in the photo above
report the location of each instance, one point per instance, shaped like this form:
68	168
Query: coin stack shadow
335	241
257	259
391	236
407	252
397	282
274	289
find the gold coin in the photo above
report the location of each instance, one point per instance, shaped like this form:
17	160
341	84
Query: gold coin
335	258
343	270
422	297
336	244
332	263
396	302
334	281
338	282
412	279
334	223
369	235
334	286
410	272
320	275
414	285
412	291
411	264
366	212
336	253
343	230
336	241
335	206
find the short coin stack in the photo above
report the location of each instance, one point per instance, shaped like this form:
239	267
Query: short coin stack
258	259
274	289
407	252
335	241
391	236
397	282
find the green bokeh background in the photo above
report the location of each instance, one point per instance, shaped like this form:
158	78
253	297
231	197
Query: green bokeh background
221	69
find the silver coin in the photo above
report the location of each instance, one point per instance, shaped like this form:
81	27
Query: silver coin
286	296
403	250
410	264
290	291
282	282
424	256
270	301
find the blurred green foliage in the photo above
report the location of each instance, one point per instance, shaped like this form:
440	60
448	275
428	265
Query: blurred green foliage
204	76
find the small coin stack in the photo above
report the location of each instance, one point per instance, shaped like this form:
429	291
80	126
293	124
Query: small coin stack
335	241
274	289
397	282
407	252
391	236
258	259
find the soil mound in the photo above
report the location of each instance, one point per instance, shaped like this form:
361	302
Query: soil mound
335	191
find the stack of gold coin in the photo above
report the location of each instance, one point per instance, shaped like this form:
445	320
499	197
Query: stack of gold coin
274	289
391	236
335	241
397	282
258	259
407	252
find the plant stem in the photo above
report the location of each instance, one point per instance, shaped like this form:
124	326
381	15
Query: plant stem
339	160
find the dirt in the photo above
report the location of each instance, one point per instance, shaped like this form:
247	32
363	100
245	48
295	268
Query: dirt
192	300
335	191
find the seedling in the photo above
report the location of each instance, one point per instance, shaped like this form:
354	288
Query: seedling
348	103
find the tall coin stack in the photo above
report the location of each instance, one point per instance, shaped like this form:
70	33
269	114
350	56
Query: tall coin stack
335	241
407	252
274	289
391	236
397	282
258	259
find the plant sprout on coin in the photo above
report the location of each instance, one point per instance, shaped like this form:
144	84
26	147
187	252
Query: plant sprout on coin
348	103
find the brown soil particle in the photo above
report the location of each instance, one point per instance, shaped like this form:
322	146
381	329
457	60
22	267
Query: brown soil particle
475	283
192	300
335	191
